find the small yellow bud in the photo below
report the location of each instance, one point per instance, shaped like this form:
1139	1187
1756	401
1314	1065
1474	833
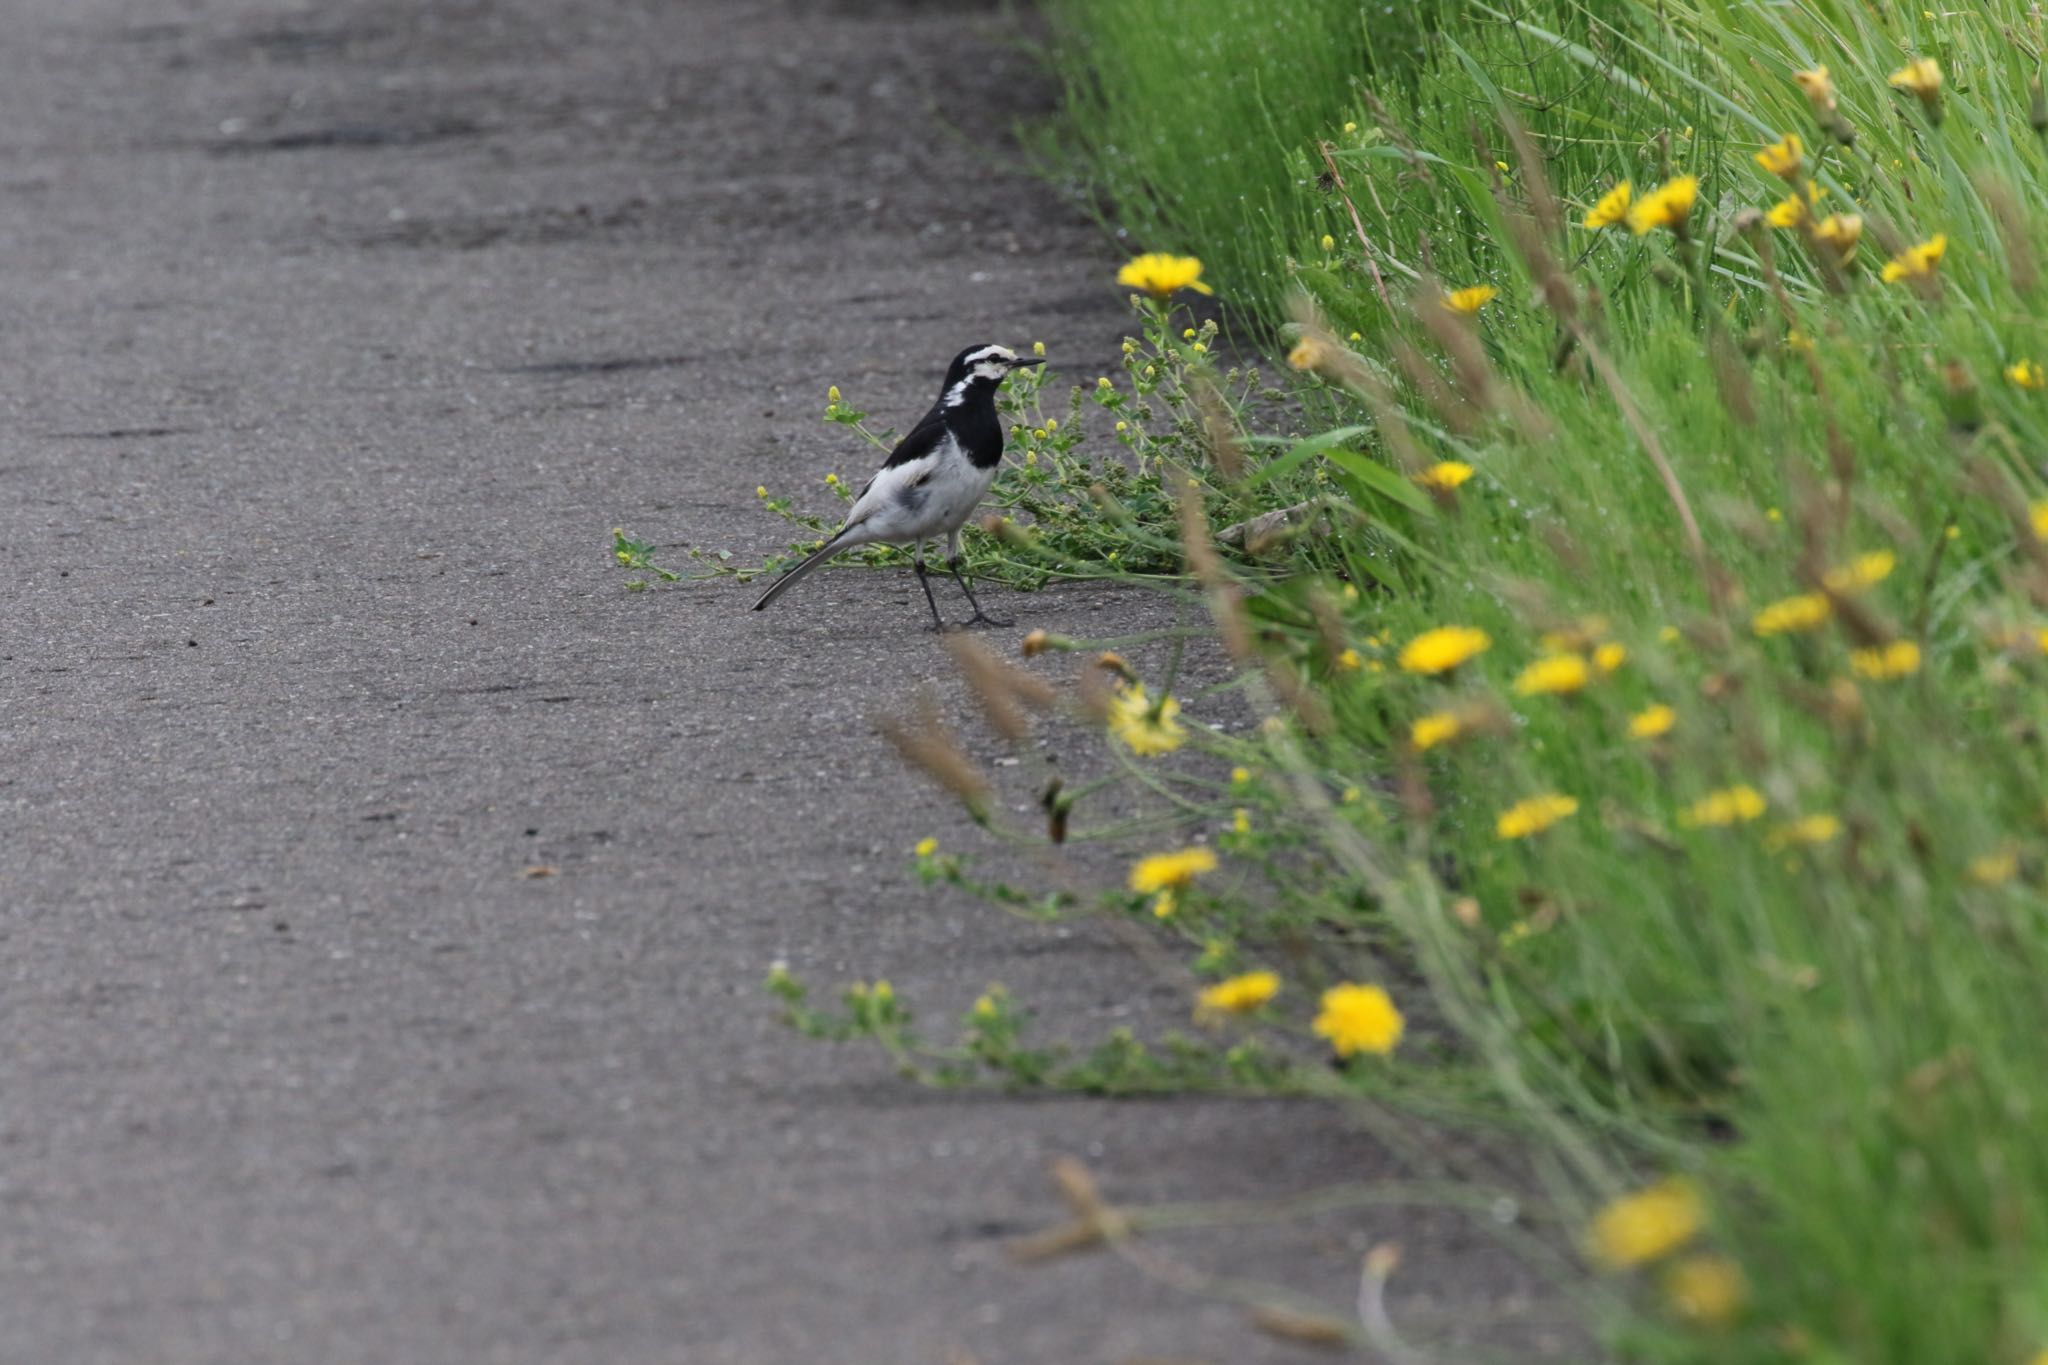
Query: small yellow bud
832	394
760	490
1187	334
1103	383
1350	127
1038	348
1123	426
1329	242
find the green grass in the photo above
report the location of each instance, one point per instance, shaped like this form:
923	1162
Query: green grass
1846	1042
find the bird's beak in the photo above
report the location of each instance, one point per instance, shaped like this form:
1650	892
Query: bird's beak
1023	361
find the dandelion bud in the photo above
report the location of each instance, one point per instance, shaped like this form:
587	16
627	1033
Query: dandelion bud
1039	641
1329	242
1111	662
1961	401
832	394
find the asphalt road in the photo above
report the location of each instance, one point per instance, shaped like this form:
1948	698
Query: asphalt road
336	338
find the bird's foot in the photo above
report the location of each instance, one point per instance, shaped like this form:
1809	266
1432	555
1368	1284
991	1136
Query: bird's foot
984	619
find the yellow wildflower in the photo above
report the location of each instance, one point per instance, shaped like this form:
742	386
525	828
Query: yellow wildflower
1921	76
1610	656
1359	1019
2027	374
1238	995
1842	231
760	490
1861	572
1160	274
1166	873
1144	726
1554	676
1442	649
990	1002
1995	869
1533	815
1038	347
1444	475
1916	262
1899	659
2037	515
1470	299
1783	158
1439	727
927	846
1647	1225
1308	353
1241	820
1734	805
1804	612
1240	776
1807	829
1349	662
1708	1290
1612	208
1329	242
1667	206
1652	722
1820	91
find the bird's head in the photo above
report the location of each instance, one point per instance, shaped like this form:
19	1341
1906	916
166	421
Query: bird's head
978	369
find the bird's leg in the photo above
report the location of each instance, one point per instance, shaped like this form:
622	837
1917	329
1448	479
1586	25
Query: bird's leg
917	562
953	558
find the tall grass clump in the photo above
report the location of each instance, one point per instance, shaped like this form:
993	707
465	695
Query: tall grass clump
1686	722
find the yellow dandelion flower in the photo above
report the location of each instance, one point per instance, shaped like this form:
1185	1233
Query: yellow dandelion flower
1995	869
1667	206
1241	820
1807	611
1652	722
989	1003
1146	727
1647	1225
1171	871
1708	1290
1240	776
1470	299
1610	656
1841	231
927	846
1612	208
1819	89
1921	76
1160	274
1308	354
1349	662
1899	659
1329	243
1359	1019
1444	475
1533	815
1442	649
1734	805
1806	830
1916	262
1439	727
1786	213
1863	571
2027	374
1784	158
2037	516
1238	995
1555	676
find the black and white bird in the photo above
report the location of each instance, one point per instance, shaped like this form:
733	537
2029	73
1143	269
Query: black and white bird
933	480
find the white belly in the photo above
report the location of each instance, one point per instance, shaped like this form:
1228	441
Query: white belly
928	497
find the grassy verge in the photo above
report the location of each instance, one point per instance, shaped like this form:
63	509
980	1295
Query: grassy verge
1719	832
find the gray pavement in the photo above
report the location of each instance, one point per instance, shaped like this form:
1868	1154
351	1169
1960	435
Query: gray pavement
336	337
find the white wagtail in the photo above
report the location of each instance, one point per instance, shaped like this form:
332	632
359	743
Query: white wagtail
933	479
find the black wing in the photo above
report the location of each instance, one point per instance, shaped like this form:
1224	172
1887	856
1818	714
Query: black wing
921	441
